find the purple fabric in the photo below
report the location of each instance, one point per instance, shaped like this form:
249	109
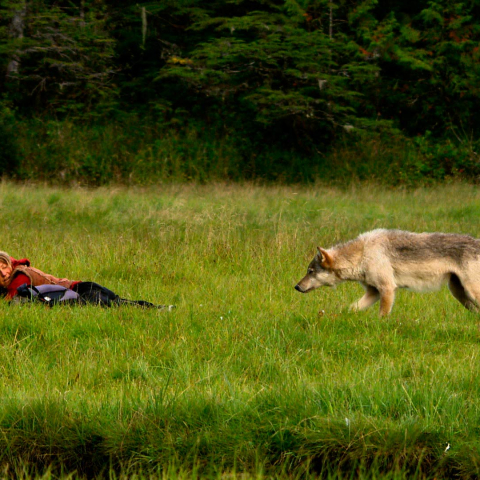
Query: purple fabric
55	292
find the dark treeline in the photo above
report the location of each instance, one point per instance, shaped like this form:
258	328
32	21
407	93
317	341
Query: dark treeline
103	90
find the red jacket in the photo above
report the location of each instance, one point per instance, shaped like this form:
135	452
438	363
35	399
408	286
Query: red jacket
20	277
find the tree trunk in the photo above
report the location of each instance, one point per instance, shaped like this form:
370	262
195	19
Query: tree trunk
330	26
82	13
144	25
16	29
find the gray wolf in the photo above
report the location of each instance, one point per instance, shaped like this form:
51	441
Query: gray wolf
384	260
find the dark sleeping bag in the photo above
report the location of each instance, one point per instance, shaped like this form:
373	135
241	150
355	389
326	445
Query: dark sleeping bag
81	293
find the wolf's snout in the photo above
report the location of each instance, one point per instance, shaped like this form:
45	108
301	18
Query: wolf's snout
299	288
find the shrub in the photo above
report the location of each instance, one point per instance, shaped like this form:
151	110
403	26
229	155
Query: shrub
9	151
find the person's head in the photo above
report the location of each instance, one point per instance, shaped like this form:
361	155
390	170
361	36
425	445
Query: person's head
6	269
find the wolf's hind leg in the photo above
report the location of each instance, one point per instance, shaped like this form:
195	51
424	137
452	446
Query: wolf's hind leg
371	296
469	299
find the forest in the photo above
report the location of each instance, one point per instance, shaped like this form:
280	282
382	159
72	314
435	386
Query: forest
102	91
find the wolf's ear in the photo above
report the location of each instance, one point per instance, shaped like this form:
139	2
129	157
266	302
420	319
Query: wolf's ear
326	260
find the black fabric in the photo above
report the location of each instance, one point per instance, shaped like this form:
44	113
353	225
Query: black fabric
139	303
92	292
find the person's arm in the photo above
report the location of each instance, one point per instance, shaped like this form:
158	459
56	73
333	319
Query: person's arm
19	279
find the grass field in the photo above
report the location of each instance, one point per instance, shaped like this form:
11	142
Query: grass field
245	379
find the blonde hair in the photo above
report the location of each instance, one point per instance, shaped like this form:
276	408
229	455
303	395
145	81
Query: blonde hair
5	258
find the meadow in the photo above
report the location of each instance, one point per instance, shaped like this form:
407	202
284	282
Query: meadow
247	378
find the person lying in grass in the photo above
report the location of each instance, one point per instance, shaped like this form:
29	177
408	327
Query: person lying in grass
14	274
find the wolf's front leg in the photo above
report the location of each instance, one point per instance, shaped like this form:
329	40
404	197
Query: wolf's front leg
387	297
371	296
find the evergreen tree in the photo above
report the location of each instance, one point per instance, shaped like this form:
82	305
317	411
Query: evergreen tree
283	65
63	59
429	60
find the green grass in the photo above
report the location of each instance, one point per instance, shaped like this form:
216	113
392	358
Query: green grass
245	379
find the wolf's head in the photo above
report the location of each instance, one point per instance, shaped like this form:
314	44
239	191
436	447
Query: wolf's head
320	273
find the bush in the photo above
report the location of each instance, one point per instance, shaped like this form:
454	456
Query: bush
393	159
444	158
130	151
9	151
